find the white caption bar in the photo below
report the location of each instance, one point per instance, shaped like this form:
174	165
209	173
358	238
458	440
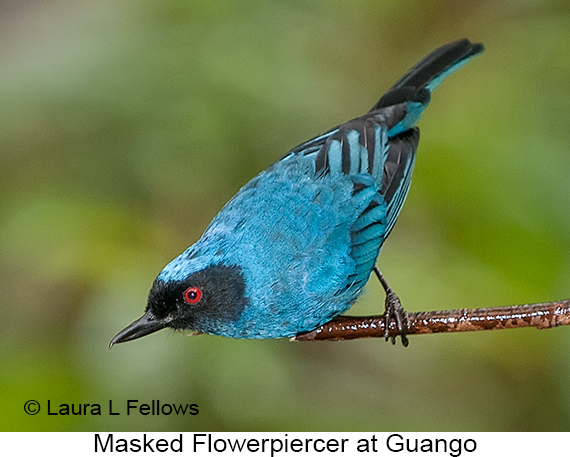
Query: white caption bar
283	444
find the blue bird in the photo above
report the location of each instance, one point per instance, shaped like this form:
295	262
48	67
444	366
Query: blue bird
296	245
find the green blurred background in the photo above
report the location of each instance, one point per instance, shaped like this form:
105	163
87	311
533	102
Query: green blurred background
124	128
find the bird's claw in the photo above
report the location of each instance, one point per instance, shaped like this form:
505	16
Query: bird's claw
396	313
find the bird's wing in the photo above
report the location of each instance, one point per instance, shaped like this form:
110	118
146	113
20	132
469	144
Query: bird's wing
380	168
364	146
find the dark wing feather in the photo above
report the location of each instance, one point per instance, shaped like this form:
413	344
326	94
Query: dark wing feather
398	169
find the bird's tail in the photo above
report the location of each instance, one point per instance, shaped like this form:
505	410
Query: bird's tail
416	85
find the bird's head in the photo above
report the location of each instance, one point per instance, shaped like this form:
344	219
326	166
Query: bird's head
210	299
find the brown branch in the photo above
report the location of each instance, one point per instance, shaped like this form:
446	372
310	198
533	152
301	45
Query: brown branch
540	315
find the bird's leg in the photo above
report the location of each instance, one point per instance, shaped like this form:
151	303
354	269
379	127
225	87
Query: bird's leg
394	311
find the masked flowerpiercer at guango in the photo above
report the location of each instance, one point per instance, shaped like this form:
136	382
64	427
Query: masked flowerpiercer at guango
296	245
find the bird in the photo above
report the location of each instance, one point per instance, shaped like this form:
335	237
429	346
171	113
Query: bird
296	245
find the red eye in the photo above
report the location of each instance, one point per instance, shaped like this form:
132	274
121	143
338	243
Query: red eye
192	295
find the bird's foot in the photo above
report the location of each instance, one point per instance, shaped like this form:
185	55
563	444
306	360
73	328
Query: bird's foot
397	314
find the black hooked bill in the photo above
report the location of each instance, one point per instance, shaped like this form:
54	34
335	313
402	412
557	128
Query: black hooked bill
143	326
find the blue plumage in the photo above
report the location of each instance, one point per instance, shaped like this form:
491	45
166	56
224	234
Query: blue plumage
296	245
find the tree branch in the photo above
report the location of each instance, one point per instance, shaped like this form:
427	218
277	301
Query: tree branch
540	315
